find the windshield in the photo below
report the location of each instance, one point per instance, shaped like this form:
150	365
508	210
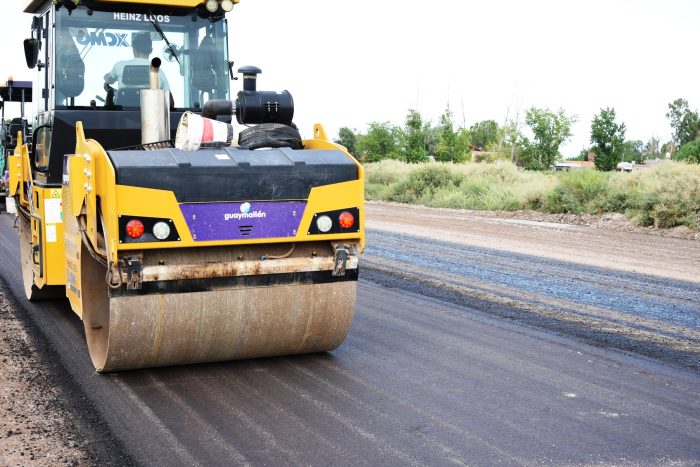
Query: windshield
102	57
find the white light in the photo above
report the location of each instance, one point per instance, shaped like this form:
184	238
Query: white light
227	5
324	223
161	230
212	6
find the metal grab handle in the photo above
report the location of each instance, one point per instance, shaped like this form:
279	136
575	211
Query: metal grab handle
36	251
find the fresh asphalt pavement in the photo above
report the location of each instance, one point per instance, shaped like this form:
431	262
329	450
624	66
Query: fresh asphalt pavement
419	381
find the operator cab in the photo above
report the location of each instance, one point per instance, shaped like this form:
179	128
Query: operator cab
84	43
93	37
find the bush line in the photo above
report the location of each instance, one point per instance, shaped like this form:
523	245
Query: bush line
664	196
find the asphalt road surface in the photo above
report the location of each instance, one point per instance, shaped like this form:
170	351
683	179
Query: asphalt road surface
442	366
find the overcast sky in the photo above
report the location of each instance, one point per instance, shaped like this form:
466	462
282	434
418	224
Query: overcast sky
348	63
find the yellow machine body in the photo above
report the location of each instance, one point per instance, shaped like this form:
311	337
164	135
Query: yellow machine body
46	254
229	321
152	299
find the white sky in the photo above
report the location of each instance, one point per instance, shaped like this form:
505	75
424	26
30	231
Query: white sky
348	63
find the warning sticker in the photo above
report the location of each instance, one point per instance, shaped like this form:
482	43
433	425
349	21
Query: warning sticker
55	193
53	210
50	234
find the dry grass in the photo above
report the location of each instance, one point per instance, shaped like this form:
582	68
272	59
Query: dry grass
665	196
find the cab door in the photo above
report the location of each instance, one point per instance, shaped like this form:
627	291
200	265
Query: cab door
45	198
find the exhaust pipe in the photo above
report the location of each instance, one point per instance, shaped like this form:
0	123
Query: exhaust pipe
154	74
155	108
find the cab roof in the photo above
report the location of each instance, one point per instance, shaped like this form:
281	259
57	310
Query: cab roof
34	6
11	91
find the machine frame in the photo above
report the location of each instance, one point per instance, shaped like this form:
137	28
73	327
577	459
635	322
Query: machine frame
73	211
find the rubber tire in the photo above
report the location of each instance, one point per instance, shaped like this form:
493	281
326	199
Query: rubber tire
31	291
270	135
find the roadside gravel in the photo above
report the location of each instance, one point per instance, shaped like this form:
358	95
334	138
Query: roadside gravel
608	241
611	221
36	427
606	281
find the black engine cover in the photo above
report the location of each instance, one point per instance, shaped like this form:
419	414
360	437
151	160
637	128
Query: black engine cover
233	174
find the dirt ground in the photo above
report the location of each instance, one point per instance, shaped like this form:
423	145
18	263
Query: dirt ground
35	426
609	241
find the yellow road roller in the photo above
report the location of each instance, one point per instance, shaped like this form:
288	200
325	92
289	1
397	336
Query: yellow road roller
176	237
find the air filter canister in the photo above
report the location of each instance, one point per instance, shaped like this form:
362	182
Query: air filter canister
254	107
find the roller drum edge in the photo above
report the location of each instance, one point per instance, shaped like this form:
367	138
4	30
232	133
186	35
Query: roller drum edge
171	329
143	331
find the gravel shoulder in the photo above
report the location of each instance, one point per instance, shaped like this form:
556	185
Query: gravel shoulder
608	241
603	280
36	427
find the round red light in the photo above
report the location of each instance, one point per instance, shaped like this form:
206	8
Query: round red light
134	228
346	220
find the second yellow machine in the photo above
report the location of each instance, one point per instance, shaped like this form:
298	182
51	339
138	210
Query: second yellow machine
178	253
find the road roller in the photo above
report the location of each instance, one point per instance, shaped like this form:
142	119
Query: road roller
183	225
19	92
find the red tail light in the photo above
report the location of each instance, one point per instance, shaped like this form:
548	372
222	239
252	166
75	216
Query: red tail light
346	220
134	228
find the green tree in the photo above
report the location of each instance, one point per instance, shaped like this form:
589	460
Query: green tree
447	145
652	149
464	139
685	122
347	138
689	152
432	140
632	151
484	133
380	142
608	138
668	148
513	138
550	130
413	148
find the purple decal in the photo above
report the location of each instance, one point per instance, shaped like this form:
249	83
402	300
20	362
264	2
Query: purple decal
239	221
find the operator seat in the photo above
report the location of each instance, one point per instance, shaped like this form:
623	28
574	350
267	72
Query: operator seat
135	78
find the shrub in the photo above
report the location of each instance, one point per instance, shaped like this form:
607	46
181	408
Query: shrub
421	184
689	152
665	196
380	177
577	192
